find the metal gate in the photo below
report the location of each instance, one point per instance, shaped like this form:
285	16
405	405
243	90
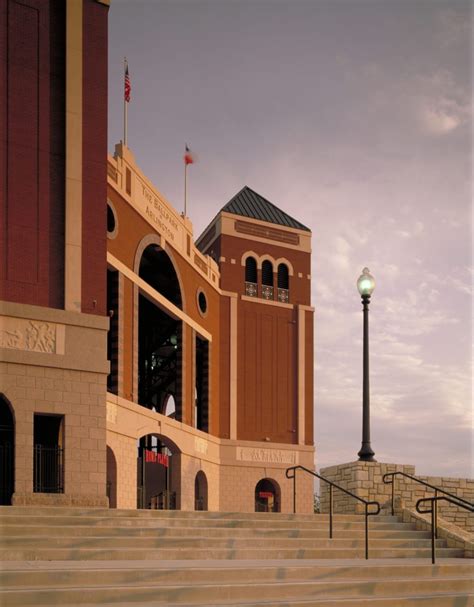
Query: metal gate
48	474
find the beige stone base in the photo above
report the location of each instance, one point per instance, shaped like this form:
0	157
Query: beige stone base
232	468
59	499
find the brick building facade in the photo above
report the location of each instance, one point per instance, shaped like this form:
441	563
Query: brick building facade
139	367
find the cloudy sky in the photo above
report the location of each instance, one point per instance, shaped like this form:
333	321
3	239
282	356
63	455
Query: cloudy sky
355	117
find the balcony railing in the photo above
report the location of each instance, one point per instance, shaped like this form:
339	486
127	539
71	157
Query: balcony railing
267	292
251	289
283	295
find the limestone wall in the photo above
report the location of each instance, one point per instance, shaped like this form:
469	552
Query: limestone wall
365	480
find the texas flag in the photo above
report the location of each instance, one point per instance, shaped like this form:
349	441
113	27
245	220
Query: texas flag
188	156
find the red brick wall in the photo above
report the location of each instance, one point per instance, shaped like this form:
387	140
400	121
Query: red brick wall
32	151
94	158
266	375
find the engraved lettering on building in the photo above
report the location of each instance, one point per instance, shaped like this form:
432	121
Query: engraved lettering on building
270	456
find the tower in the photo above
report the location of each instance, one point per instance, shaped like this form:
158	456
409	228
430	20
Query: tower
264	257
53	328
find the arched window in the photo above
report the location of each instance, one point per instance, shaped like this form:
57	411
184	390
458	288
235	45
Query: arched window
267	279
283	283
251	277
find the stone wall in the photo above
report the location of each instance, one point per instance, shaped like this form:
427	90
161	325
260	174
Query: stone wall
232	469
53	363
365	480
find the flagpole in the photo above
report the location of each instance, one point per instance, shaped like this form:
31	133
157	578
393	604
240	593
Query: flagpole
124	107
185	174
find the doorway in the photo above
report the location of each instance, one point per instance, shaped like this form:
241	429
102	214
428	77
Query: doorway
267	496
7	452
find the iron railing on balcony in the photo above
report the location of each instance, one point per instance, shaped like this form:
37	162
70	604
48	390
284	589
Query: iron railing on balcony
251	289
283	295
48	470
433	510
291	473
267	292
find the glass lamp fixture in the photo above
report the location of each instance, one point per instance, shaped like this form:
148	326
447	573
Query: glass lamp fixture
366	283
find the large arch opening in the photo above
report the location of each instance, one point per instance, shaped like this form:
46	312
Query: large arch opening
111	478
157	269
267	496
200	491
158	473
7	452
159	335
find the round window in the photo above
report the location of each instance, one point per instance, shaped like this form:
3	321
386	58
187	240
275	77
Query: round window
202	302
111	221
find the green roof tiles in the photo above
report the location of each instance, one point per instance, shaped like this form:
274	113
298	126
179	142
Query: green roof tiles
248	203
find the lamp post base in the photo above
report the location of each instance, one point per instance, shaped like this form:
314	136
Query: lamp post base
366	454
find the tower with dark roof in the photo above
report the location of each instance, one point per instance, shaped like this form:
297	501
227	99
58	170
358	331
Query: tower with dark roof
264	256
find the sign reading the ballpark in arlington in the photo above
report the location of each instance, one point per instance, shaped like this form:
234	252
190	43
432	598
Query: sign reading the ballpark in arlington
157	212
270	456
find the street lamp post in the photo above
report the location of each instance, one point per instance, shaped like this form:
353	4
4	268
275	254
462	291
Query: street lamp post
366	285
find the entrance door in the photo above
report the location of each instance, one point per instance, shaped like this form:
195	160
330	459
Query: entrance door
267	496
157	468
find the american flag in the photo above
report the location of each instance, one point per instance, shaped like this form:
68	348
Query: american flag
128	86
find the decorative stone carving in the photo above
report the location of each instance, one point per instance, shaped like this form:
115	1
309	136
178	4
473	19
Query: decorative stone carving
31	335
200	445
112	413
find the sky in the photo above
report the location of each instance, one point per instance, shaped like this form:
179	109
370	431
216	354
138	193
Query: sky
355	117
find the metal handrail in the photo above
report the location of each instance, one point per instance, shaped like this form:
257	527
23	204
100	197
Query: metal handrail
331	485
434	512
437	490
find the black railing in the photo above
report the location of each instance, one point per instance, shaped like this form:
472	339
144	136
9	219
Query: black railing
434	513
48	474
389	479
331	485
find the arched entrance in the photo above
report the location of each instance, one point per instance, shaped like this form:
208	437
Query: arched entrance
159	334
111	478
200	491
267	496
7	452
158	473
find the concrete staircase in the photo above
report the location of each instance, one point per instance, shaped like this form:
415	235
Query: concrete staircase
149	558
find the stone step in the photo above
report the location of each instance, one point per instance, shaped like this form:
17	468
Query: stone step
190	542
445	600
64	554
80	574
7	511
149	531
244	591
314	523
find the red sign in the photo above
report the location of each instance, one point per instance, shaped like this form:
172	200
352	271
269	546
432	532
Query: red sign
151	457
267	494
